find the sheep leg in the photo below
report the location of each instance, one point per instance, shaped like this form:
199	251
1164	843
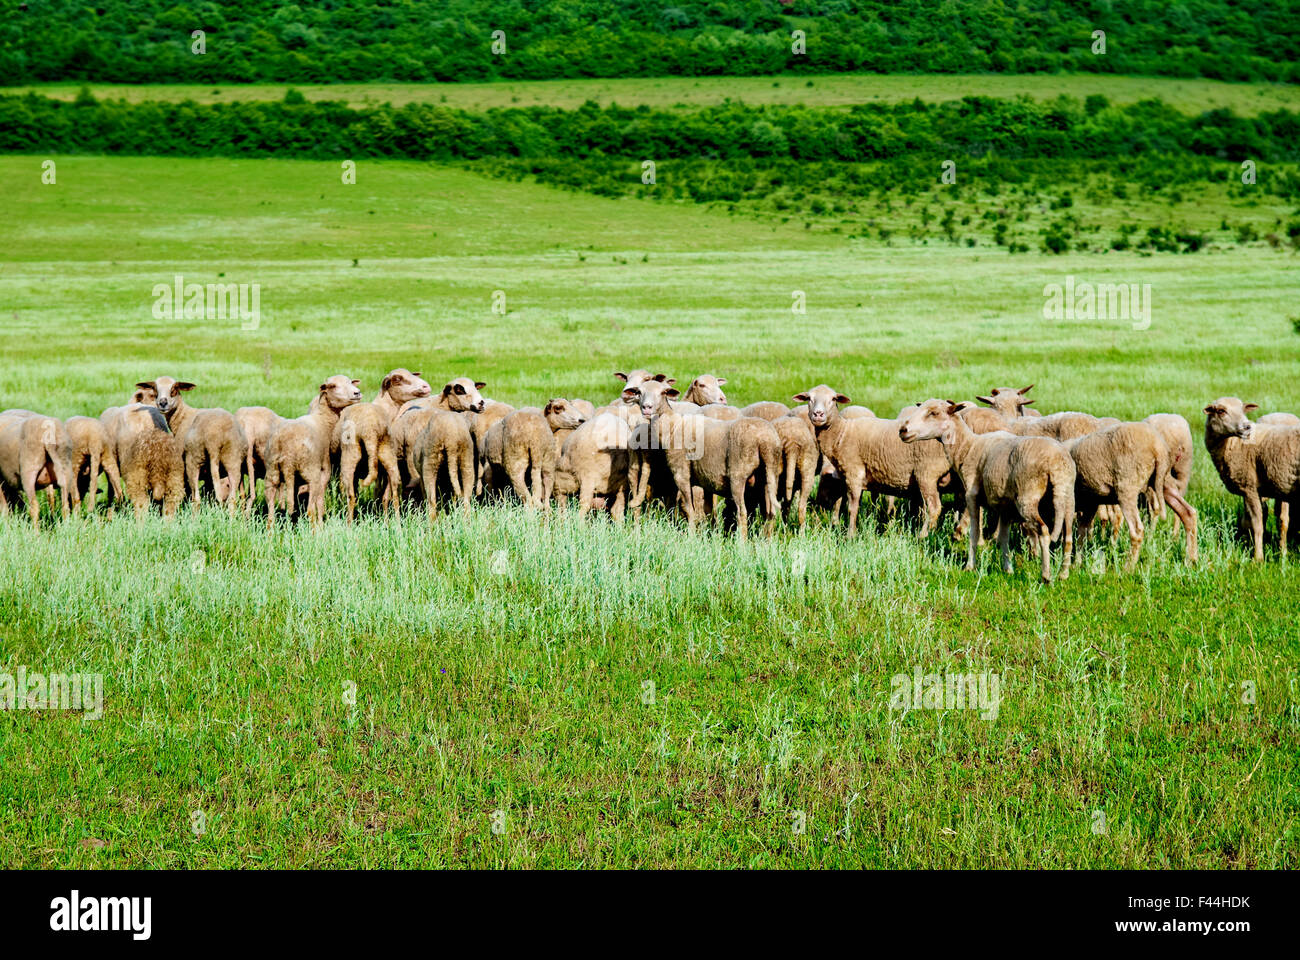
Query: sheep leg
230	465
853	494
1129	510
468	477
29	491
586	494
1283	521
933	504
1004	541
620	502
271	491
1186	513
1255	511
1045	551
972	528
348	461
316	498
742	511
1087	513
516	470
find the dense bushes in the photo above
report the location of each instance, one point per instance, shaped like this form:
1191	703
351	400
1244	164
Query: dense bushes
449	40
973	127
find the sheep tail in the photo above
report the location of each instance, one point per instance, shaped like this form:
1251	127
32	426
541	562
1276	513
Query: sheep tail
1062	482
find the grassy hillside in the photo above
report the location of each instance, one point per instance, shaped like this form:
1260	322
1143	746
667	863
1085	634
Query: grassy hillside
502	663
830	90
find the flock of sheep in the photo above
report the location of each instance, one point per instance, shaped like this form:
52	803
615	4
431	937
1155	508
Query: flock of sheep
1041	472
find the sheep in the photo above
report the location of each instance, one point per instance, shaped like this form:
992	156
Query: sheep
528	455
462	396
722	457
1116	465
765	409
151	459
443	442
1059	426
1011	476
979	419
720	411
258	423
34	453
799	455
111	417
564	416
361	437
481	423
1280	419
1010	402
1254	461
705	389
91	450
868	454
211	439
634	379
1177	435
596	460
300	448
1282	509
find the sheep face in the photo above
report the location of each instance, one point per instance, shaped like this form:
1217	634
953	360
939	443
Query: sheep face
1226	417
167	392
707	389
822	404
931	420
563	415
462	395
1008	401
638	377
403	385
652	397
339	391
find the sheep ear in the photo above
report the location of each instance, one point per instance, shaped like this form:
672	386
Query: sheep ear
986	400
630	394
952	408
672	392
480	384
148	385
800	398
388	382
457	389
324	387
1250	406
671	380
721	380
1025	403
184	385
622	376
1023	390
661	377
416	374
840	398
1210	410
357	382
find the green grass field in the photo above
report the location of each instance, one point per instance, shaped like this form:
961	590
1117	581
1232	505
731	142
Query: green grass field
504	663
832	90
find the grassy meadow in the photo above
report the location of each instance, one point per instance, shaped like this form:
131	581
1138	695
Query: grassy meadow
553	692
826	90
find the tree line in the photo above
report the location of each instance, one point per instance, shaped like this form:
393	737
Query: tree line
246	41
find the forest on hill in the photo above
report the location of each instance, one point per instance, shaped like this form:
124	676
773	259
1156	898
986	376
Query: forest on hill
245	41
